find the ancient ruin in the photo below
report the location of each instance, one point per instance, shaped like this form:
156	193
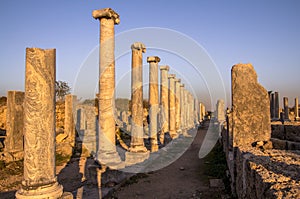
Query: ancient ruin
107	153
39	127
137	151
153	101
245	131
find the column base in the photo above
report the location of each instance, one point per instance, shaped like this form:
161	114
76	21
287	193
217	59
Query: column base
54	191
132	158
173	135
297	118
154	147
110	159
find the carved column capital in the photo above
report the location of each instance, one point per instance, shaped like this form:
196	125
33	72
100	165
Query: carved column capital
153	59
171	76
138	46
166	67
106	13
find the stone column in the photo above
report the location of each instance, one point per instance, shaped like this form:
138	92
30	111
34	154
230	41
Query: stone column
164	102
39	127
196	106
153	100
107	153
286	109
15	123
201	117
190	110
182	109
172	118
220	110
296	109
177	105
277	111
186	109
137	151
272	105
69	125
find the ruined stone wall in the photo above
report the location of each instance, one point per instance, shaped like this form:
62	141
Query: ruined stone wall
286	137
262	173
267	174
3	112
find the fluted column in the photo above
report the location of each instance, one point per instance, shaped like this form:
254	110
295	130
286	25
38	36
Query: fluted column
39	126
107	153
164	102
153	100
172	111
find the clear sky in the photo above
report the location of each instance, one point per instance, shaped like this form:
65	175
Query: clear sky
264	33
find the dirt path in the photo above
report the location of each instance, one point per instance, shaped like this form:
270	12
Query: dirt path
184	178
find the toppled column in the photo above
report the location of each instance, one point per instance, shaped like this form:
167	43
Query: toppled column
137	151
69	126
107	153
15	124
172	118
153	100
39	127
286	109
220	110
164	102
296	109
177	105
250	107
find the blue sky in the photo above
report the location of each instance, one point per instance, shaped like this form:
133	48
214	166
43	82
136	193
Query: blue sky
264	33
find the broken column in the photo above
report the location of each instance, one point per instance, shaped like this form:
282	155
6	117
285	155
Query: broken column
69	126
220	110
277	111
107	153
177	105
39	127
172	117
153	100
286	109
272	105
15	124
250	113
137	151
296	109
164	102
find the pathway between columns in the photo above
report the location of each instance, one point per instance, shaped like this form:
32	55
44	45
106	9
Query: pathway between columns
185	178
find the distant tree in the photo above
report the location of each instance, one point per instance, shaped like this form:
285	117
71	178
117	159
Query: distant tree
61	90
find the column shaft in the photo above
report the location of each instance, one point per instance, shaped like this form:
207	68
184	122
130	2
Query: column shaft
39	126
172	118
153	100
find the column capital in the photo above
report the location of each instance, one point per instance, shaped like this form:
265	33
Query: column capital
177	80
153	59
181	85
170	76
106	13
138	46
166	67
